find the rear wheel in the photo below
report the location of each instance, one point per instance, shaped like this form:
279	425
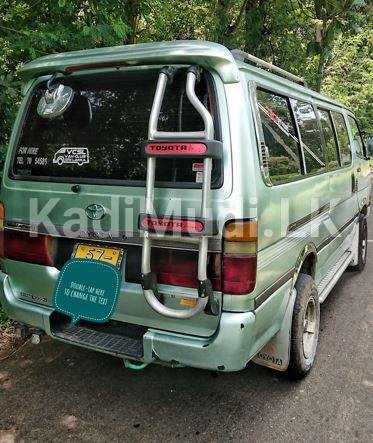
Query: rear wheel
362	245
305	327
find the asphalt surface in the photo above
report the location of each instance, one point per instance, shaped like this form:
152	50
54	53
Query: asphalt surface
55	392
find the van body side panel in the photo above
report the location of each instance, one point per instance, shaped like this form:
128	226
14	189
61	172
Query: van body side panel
317	211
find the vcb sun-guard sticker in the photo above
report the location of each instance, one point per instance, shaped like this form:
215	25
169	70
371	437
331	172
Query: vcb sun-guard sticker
72	155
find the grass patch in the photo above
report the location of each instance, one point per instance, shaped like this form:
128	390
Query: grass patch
5	322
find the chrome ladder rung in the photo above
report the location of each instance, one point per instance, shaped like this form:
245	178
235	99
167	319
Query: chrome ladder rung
149	283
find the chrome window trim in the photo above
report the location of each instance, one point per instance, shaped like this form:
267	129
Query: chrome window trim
261	145
336	142
299	135
313	106
253	86
348	136
362	156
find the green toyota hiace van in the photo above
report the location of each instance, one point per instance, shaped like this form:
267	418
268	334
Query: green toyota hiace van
228	196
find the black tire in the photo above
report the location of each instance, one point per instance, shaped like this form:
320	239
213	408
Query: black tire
303	343
362	245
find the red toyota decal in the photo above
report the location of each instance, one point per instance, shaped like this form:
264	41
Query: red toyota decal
176	148
172	224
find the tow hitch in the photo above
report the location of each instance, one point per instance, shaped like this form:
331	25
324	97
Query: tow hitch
23	332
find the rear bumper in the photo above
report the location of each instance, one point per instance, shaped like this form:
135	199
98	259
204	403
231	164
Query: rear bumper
22	311
227	350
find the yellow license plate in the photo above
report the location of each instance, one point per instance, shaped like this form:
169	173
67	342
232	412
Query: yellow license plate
113	256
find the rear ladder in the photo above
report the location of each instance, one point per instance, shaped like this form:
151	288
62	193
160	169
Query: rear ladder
197	144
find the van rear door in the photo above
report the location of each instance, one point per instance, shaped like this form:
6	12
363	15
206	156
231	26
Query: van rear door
61	190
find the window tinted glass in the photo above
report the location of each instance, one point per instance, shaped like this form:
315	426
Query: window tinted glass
279	136
356	136
108	145
310	135
330	140
344	145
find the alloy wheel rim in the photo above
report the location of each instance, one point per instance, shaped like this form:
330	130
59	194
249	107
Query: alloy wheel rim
364	244
309	328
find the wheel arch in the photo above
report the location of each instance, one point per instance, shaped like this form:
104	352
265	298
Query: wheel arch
306	262
364	210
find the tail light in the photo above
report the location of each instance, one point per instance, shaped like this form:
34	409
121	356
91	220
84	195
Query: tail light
234	273
239	257
180	268
22	246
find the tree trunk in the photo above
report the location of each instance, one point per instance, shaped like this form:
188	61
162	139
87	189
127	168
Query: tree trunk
132	16
320	70
255	35
232	27
222	20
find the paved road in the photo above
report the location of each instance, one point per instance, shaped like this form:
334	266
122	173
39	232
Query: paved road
54	392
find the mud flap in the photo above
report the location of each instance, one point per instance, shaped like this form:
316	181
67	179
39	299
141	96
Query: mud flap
354	248
276	353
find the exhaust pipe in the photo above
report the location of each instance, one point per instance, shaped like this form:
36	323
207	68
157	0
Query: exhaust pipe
36	336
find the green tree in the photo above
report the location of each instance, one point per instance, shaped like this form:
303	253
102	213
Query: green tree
29	29
178	20
298	35
330	18
349	75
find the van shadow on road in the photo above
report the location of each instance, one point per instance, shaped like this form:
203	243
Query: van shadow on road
54	391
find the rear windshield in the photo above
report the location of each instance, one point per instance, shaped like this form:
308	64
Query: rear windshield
103	143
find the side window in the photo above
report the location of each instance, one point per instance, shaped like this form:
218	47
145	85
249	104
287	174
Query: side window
330	139
310	135
356	136
342	134
279	136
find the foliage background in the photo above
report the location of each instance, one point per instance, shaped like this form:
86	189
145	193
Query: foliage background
328	42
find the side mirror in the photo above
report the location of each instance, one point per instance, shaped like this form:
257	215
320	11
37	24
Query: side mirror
60	99
55	101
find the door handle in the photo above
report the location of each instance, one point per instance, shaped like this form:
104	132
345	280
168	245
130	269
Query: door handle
354	183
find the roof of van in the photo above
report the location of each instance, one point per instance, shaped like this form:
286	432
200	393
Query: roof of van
209	55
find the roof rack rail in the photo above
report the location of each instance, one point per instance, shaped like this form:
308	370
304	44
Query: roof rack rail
245	57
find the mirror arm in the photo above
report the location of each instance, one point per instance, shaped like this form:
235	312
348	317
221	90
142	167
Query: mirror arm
50	81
